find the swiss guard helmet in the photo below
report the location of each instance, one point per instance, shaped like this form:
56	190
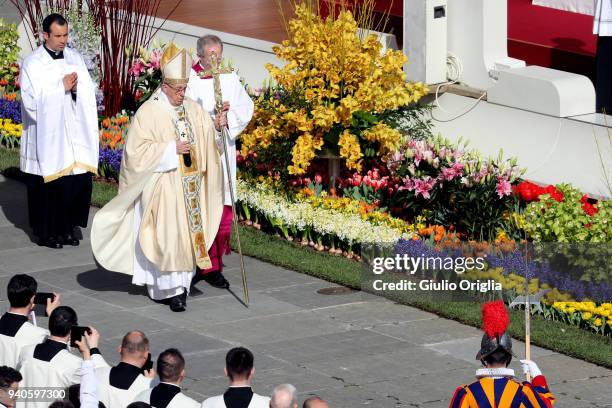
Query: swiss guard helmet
495	321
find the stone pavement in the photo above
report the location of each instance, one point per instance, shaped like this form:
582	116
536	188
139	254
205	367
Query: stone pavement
352	349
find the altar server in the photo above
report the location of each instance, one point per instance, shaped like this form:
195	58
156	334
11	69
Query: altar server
167	394
238	107
59	143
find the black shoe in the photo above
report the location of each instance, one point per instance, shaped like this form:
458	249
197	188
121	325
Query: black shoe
216	279
70	240
51	242
178	303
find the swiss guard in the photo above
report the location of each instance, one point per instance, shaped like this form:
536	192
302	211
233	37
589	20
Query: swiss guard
496	385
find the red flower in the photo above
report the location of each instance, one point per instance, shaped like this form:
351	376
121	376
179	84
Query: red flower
554	193
528	191
588	208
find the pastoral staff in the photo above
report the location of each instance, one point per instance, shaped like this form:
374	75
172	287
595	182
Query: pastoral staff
238	107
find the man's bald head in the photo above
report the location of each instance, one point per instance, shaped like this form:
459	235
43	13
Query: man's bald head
284	396
315	402
134	344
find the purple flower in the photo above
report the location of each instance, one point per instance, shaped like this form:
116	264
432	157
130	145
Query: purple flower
109	162
10	110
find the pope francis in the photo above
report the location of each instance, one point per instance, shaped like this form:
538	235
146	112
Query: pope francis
165	217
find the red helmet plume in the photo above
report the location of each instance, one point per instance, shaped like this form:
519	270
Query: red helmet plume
495	318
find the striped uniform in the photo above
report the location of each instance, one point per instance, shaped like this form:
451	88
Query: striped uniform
504	393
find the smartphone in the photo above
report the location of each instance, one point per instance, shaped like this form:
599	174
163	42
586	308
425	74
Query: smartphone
76	333
41	298
148	365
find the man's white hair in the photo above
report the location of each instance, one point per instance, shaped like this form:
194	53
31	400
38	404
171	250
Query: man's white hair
284	396
205	41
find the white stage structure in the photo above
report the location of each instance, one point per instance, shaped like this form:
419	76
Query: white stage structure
544	117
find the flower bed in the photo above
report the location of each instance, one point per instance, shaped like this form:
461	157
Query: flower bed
318	223
112	139
10	120
506	265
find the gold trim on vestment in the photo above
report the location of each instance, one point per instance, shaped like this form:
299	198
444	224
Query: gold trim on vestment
174	81
191	182
68	169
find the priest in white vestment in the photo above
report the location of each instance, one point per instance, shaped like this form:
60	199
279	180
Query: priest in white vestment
50	364
240	371
118	386
238	107
16	330
60	139
168	393
165	217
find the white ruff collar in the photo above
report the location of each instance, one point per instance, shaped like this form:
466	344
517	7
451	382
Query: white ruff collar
494	372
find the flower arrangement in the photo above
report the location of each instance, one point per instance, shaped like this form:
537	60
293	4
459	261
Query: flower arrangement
146	72
339	226
336	92
588	315
452	186
506	265
568	216
112	139
10	133
9	55
10	120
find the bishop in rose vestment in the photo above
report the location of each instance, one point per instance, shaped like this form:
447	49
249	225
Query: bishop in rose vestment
165	217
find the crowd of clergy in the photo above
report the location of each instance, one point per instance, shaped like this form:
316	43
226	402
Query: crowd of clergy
34	358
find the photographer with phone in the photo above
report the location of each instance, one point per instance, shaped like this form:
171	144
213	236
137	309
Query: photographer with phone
118	386
168	393
50	363
16	331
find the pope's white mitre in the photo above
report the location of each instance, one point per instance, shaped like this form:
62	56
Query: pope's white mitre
175	65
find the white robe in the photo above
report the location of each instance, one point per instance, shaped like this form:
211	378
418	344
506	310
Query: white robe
258	401
164	227
113	397
60	136
167	284
240	113
62	371
11	347
180	400
602	23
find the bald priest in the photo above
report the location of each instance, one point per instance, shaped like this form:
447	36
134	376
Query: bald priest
163	222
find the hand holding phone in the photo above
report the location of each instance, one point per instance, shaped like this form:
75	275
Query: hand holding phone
41	298
77	333
148	365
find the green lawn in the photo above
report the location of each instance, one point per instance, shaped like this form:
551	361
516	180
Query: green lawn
556	336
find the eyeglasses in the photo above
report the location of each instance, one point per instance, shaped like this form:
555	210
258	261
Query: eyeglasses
177	90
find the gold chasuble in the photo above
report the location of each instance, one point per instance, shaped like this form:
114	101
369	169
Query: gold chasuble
172	213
